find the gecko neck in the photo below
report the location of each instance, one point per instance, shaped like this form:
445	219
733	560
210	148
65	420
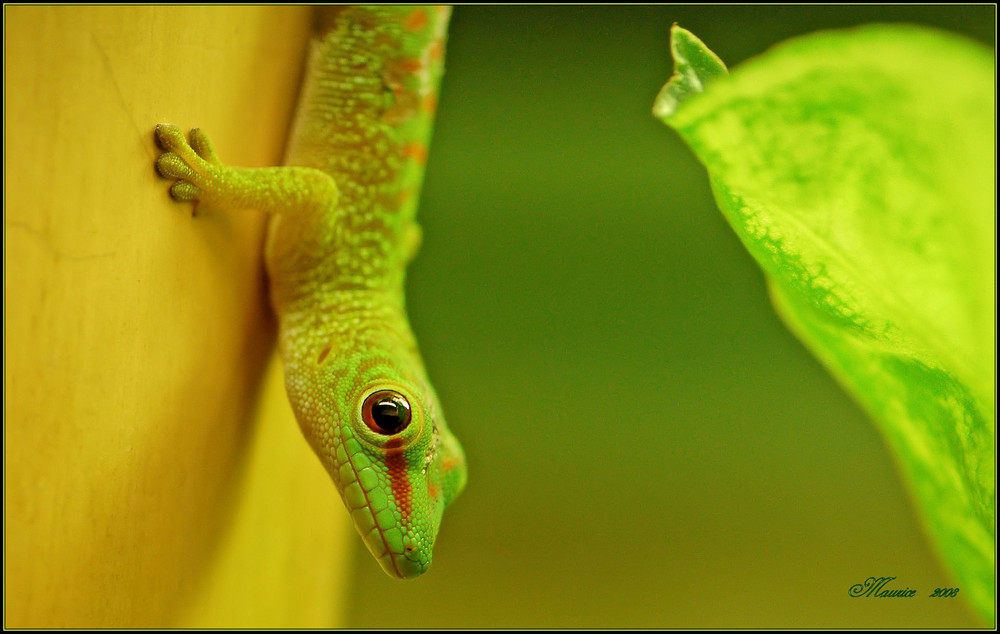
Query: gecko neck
331	319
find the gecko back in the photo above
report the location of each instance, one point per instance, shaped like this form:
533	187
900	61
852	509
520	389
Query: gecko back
353	371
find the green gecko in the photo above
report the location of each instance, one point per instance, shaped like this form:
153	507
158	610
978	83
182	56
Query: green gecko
341	233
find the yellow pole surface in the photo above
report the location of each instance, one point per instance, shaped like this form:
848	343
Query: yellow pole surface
153	473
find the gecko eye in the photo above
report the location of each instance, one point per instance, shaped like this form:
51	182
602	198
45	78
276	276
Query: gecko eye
386	412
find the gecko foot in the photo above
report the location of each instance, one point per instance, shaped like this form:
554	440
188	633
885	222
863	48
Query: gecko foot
193	166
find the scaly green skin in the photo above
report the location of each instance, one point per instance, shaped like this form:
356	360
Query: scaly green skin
342	231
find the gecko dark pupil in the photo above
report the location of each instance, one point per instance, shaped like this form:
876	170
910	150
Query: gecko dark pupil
386	412
389	414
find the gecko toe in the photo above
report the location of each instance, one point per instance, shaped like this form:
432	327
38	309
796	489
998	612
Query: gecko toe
184	191
169	136
171	165
202	145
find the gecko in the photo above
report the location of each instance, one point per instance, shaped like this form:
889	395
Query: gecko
341	232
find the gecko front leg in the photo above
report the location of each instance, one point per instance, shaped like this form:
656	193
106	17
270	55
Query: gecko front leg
305	197
202	177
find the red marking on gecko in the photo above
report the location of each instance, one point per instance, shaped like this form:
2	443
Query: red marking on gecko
409	65
429	104
450	463
416	21
416	151
437	51
399	482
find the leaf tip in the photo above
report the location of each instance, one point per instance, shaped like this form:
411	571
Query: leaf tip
695	66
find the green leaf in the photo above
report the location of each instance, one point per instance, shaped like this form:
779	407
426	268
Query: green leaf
858	168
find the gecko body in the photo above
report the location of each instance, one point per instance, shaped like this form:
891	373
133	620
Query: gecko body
342	230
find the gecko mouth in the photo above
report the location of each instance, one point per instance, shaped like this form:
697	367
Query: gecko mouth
396	558
405	568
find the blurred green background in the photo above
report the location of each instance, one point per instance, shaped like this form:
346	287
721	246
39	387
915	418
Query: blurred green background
648	445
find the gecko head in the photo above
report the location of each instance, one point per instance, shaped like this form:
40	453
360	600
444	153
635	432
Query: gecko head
415	469
393	459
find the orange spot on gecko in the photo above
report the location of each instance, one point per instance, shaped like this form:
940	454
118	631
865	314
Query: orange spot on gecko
448	464
416	151
323	354
409	65
416	21
437	51
429	104
433	491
